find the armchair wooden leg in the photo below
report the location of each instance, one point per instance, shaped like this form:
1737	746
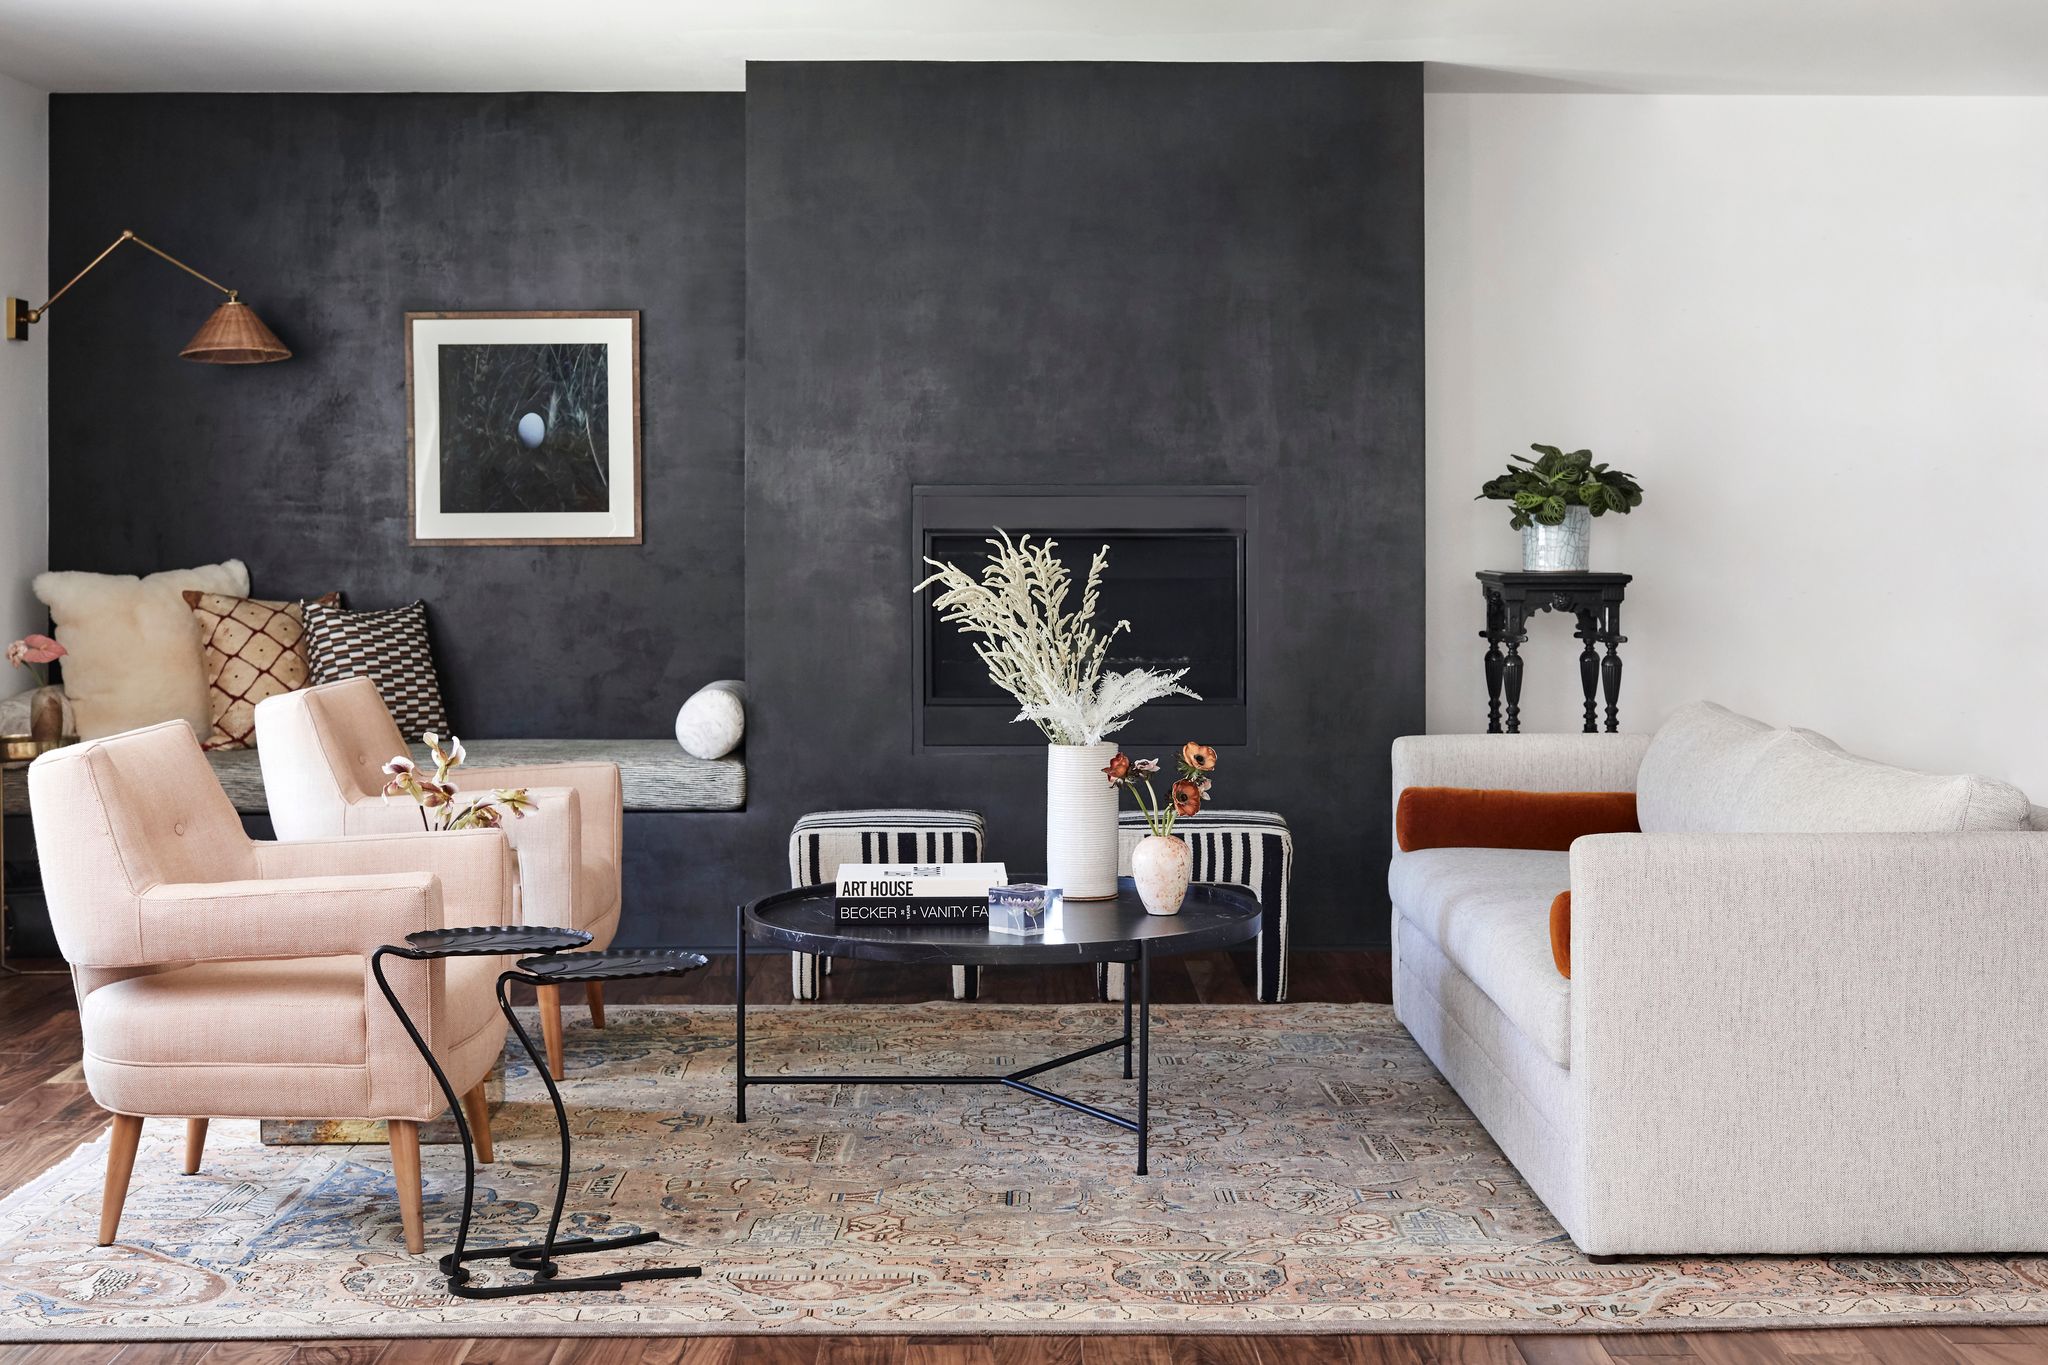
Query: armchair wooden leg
478	1109
121	1146
195	1144
405	1170
593	995
550	1001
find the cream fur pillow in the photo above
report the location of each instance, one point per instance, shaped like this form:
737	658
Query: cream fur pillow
132	655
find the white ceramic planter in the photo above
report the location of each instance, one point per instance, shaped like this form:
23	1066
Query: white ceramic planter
1564	548
1159	868
1080	821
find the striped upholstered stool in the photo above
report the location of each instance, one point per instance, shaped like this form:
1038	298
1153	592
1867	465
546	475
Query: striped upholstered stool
1249	848
824	839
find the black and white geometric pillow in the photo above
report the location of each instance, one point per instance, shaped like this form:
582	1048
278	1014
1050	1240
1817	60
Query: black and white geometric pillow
388	647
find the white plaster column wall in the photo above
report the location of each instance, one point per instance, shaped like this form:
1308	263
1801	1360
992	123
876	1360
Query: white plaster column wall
24	366
1817	330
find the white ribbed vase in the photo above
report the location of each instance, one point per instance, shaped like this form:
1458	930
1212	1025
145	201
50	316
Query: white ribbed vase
1080	821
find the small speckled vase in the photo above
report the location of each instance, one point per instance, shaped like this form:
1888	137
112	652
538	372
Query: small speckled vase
1159	868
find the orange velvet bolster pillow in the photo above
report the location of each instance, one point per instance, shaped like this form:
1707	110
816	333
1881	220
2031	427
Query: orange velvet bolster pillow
1472	817
1561	933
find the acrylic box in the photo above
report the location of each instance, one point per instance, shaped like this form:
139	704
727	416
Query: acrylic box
1021	909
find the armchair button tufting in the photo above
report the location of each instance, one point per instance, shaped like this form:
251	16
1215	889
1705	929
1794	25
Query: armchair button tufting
178	828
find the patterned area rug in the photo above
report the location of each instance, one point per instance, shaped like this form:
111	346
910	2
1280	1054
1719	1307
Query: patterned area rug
1310	1173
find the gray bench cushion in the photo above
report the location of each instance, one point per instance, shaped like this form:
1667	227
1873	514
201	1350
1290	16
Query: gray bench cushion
654	774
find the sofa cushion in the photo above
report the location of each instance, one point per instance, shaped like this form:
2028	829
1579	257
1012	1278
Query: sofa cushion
1561	932
1691	777
654	775
1805	783
133	646
1488	911
392	649
1477	817
713	720
252	649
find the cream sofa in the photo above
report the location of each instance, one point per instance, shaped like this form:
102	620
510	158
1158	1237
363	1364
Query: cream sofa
1808	1009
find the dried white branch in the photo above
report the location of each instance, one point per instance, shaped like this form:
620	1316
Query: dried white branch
1046	657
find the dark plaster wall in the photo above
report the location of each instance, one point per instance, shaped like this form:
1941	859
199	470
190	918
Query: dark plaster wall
1074	274
335	215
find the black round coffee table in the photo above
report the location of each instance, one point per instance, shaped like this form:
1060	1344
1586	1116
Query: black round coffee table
1117	930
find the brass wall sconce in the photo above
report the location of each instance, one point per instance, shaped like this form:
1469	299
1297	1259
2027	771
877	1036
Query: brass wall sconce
234	335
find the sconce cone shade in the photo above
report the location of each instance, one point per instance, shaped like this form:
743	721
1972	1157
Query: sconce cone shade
234	335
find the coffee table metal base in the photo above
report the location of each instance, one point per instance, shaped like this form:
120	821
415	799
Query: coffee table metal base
1139	1046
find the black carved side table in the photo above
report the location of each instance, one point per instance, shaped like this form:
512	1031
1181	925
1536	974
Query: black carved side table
1512	597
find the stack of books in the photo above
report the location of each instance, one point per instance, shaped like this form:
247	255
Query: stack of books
914	893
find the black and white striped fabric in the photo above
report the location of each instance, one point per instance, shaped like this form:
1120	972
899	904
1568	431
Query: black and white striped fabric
388	647
822	840
1248	848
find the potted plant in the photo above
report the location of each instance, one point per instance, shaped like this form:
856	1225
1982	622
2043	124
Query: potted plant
1160	864
1555	498
1050	660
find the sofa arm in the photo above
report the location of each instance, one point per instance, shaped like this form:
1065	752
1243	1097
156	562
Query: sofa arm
1767	1028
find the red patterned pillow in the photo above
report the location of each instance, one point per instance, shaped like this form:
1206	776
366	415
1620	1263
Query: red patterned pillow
254	649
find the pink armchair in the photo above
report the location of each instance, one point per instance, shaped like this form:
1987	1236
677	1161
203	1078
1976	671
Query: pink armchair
323	752
222	977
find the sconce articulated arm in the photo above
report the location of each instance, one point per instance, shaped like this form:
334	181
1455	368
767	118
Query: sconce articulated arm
233	336
36	314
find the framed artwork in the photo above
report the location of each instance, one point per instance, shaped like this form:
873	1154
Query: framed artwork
523	428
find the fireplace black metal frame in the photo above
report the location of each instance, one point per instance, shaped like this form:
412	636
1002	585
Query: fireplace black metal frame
1068	510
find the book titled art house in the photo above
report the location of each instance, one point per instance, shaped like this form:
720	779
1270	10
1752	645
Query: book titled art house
915	893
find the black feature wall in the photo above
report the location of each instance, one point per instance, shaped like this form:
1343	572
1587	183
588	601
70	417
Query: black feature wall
1073	274
335	215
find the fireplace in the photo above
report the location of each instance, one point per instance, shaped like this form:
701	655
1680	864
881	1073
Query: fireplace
1181	560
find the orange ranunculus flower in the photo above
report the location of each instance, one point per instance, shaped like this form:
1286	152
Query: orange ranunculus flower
1187	798
1119	768
1200	757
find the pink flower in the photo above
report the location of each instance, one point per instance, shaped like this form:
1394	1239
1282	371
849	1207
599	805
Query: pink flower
42	649
34	649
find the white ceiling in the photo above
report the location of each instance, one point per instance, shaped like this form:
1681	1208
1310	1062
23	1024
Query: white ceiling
1989	47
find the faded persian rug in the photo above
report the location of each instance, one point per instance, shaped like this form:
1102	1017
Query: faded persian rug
1310	1173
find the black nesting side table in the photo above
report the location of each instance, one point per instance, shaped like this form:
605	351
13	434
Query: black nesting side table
1119	930
552	964
1513	596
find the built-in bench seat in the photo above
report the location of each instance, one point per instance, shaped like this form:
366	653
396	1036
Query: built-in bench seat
654	774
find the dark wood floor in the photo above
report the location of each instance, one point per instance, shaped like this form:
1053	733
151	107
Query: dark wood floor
45	1113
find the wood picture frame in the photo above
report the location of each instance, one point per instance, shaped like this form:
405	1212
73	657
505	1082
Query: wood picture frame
513	431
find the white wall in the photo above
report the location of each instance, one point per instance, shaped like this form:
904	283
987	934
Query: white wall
24	368
1817	330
